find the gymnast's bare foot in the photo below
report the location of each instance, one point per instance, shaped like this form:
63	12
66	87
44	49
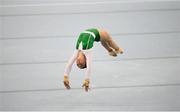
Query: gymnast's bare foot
112	53
119	51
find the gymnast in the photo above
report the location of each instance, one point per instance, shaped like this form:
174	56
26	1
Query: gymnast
83	53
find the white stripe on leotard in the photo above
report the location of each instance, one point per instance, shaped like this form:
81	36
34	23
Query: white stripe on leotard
91	33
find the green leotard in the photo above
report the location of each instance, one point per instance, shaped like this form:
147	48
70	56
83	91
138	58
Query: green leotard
87	38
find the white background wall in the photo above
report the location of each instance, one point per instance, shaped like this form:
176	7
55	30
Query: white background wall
50	28
38	36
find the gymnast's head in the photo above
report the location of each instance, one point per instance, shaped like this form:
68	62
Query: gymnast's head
81	60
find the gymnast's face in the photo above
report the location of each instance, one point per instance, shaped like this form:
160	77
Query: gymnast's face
81	60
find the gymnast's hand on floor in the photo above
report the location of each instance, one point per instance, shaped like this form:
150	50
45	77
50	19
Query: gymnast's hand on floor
66	82
86	85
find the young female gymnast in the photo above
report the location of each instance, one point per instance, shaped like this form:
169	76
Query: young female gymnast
83	53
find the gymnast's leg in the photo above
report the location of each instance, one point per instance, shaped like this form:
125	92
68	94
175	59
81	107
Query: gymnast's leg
109	44
106	37
108	48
